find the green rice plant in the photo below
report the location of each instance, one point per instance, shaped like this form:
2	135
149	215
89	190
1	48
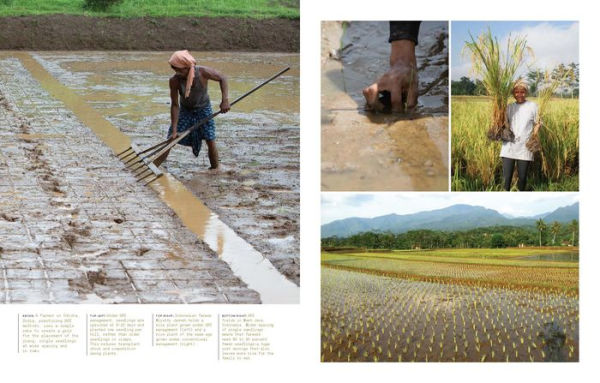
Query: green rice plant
497	69
548	89
488	324
476	161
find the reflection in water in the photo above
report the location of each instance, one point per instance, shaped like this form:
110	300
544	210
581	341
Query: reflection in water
564	257
246	263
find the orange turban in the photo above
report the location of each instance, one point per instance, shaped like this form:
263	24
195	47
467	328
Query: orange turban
183	59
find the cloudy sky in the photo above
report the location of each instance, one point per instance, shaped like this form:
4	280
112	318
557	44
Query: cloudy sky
343	205
553	42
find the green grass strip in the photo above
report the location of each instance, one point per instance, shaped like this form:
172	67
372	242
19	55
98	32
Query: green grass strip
257	9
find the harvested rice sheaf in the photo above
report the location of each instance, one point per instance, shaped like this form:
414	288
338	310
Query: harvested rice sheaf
550	85
497	68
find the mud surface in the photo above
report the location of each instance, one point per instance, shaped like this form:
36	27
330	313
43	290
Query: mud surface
366	151
75	227
257	191
55	32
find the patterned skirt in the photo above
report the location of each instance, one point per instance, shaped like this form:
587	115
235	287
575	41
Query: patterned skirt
189	117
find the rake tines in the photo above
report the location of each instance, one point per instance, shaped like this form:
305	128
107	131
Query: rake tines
140	162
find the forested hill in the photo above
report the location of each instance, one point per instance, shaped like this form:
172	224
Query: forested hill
452	218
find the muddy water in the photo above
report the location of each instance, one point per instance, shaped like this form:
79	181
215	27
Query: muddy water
365	151
257	191
247	263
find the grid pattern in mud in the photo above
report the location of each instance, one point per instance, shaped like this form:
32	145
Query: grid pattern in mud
257	192
74	225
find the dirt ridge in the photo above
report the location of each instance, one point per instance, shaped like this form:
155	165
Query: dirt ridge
55	32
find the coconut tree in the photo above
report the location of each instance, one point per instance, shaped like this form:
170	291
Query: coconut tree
554	229
574	227
541	226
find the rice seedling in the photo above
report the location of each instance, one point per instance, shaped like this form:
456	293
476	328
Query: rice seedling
444	320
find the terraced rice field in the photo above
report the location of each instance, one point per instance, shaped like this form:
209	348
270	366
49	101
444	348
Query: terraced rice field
394	309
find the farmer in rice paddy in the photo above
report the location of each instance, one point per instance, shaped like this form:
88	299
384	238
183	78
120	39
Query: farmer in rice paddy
398	86
190	103
522	116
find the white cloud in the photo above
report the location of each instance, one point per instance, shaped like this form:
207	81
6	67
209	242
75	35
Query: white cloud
551	44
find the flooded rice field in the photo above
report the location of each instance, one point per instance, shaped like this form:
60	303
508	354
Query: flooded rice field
365	151
563	257
366	317
255	196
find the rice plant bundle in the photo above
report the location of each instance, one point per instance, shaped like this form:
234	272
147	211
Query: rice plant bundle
550	85
497	70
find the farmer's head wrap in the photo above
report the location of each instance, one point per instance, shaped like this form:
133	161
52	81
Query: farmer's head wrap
520	83
183	59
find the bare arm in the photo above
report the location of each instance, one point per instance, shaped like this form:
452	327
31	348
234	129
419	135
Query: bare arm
214	75
173	86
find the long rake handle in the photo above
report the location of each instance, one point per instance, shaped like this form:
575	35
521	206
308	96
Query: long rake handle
200	123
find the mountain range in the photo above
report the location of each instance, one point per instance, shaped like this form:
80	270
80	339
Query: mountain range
455	217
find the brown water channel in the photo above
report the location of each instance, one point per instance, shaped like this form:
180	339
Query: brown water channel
365	151
129	90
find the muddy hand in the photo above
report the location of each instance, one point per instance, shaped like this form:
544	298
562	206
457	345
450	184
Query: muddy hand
400	83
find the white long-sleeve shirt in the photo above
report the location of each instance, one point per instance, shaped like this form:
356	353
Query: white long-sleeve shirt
521	118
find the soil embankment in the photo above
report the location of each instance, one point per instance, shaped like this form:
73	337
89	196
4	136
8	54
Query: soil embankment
56	32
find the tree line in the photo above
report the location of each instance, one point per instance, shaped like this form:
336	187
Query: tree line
568	75
542	234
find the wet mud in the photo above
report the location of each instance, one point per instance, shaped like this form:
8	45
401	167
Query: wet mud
75	226
256	192
73	229
361	150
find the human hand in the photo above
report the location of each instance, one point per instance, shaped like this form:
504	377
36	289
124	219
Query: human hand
174	134
225	106
399	86
401	83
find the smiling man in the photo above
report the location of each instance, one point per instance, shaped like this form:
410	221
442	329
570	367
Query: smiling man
522	119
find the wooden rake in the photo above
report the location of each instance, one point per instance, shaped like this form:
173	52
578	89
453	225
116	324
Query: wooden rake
144	163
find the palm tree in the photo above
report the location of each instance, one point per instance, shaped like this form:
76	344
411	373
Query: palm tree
541	226
574	226
555	229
